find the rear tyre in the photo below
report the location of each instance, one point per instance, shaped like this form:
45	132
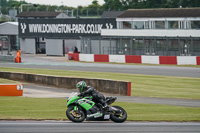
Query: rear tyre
75	116
119	118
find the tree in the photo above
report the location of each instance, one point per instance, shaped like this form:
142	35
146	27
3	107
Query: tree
94	8
137	4
113	5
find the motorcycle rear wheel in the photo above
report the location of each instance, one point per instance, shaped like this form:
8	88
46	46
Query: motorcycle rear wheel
119	118
75	116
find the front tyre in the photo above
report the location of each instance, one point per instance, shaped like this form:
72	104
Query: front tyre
75	116
119	116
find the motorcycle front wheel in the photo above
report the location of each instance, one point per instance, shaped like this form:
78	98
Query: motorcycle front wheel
119	118
75	116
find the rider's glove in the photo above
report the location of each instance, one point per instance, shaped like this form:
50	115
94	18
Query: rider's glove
81	95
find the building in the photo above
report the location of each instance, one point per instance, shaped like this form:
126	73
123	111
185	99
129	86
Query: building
37	44
41	14
111	14
162	32
44	34
10	30
166	32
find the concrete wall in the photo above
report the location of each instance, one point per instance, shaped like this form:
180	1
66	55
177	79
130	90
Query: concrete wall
188	60
7	58
170	60
150	59
28	45
86	57
102	85
54	47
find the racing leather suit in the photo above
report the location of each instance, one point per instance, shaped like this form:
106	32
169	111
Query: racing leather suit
96	96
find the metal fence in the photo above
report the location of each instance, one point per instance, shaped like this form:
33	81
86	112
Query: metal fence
165	46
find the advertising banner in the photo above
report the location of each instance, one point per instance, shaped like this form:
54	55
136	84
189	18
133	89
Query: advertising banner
64	28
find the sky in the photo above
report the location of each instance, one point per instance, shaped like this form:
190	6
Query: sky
71	3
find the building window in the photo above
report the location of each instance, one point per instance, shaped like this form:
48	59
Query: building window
161	44
195	24
196	45
181	25
139	44
188	24
159	24
127	25
138	24
172	24
173	45
146	26
119	25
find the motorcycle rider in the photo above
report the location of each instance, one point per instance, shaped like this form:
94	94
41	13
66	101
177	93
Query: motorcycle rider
90	91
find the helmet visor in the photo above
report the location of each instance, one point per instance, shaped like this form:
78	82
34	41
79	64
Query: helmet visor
80	88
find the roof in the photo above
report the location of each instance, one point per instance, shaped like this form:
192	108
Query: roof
38	14
111	14
11	23
9	28
161	12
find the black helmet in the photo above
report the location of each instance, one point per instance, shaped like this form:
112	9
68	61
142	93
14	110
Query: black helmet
81	85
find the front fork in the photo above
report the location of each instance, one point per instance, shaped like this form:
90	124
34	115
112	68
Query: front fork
76	109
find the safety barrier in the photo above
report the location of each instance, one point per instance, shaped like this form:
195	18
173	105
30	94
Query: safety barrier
108	86
133	59
141	59
101	58
198	60
7	58
11	90
170	60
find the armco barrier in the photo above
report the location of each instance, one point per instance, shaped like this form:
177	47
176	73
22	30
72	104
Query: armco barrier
11	90
108	86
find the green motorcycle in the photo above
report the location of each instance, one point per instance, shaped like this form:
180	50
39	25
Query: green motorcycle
81	108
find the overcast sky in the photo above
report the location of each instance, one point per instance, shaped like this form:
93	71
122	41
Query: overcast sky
71	3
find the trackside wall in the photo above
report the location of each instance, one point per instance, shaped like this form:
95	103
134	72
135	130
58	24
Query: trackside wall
143	59
107	86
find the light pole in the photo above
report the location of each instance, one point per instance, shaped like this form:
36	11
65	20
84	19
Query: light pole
21	6
0	7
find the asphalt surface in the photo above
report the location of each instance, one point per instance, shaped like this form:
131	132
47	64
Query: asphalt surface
96	127
60	63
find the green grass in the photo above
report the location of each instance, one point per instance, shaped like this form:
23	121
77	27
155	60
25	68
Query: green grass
45	108
6	81
142	85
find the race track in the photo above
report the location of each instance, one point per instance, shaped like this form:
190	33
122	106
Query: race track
60	63
97	127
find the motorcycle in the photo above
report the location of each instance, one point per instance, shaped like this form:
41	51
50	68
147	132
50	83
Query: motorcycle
81	108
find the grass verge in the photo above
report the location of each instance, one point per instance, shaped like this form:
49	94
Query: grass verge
47	108
142	85
6	81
